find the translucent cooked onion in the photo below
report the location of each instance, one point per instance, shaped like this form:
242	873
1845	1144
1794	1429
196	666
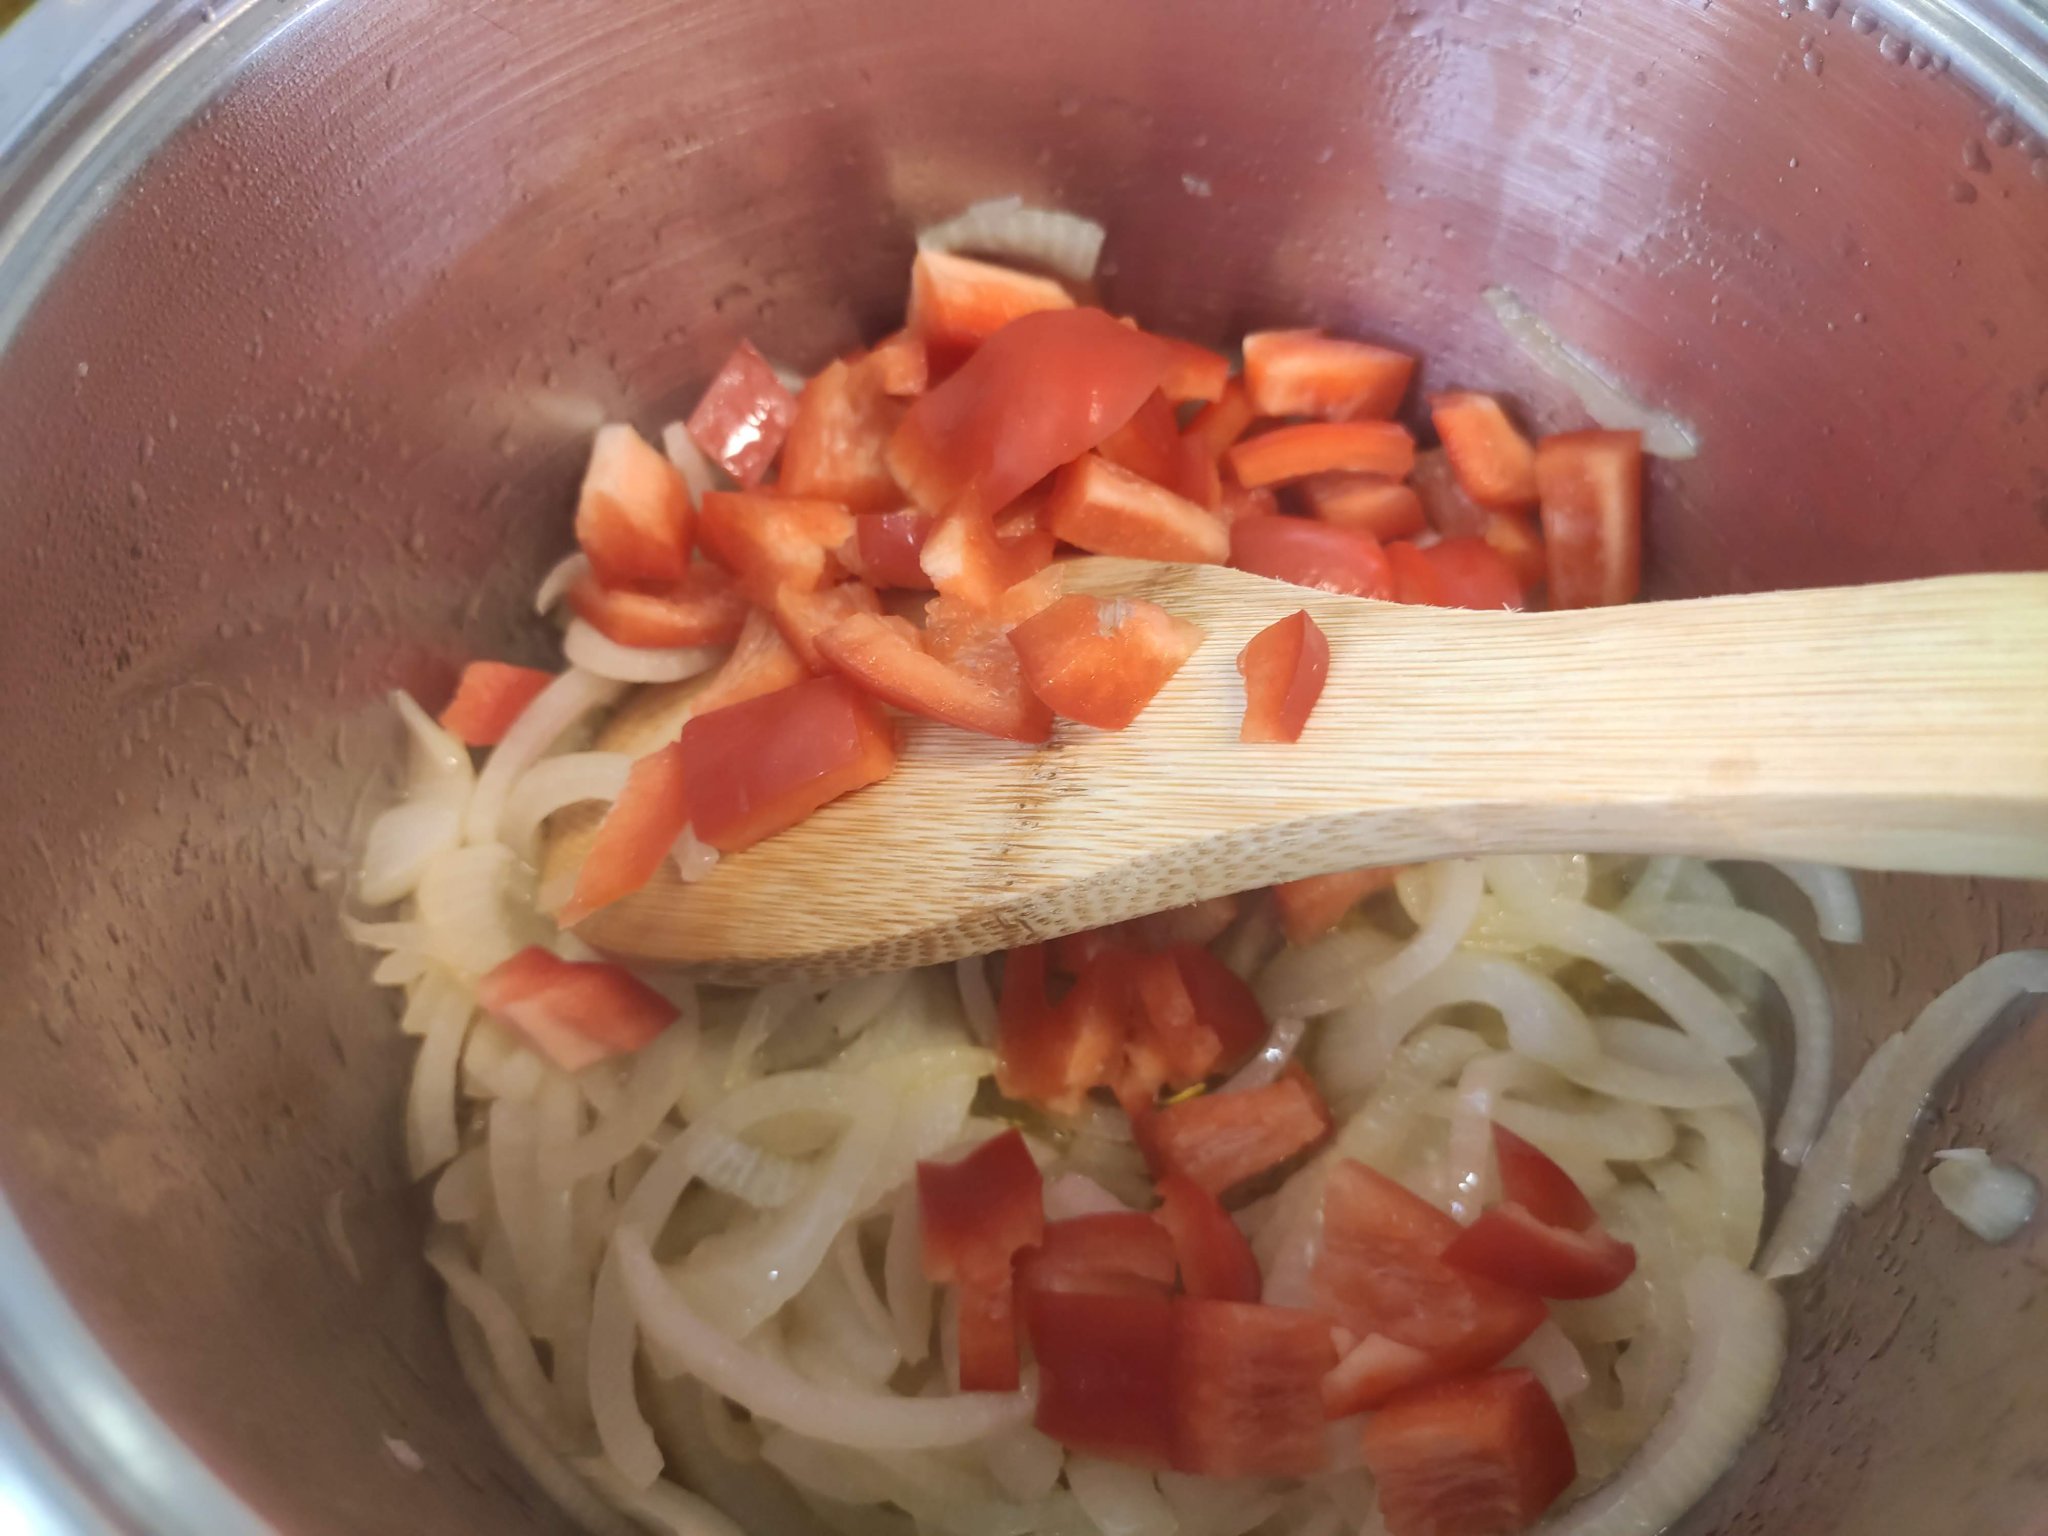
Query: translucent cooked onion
1075	1194
1820	1195
693	860
904	1286
1542	1020
598	654
468	906
651	1091
864	1420
1064	243
514	1363
1836	911
554	710
698	472
1738	1349
1993	1199
1655	1064
444	1010
660	1505
1556	1361
402	842
1455	889
554	784
1323	976
1664	435
1270	1060
1121	1500
561	576
977	997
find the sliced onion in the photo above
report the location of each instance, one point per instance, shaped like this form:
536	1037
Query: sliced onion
649	1098
386	936
517	1367
402	842
904	1286
602	656
554	784
1121	1500
697	470
693	860
1664	435
438	765
660	1505
1025	1464
1832	890
622	1430
1455	889
1772	950
977	997
1075	1194
1270	1060
468	905
1820	1195
1543	1022
463	1192
561	576
1738	1350
1656	1064
432	1137
876	1421
554	710
1556	1361
1323	976
1064	243
1993	1199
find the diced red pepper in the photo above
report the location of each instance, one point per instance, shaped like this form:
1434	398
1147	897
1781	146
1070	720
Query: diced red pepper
899	365
704	608
1107	510
956	303
888	545
1311	907
897	670
1284	667
1237	503
1319	447
1166	1043
743	417
1106	1373
1514	537
761	662
1041	392
770	542
1545	1235
1312	554
1492	460
1115	1253
1195	373
1248	1389
1224	1004
1305	373
1222	1140
1373	1370
1215	1261
489	696
1416	578
1451	512
837	448
989	1358
636	834
803	616
1222	422
1148	444
1532	1179
1102	661
1386	509
1052	1055
966	556
1471	573
1382	1270
1591	486
760	766
1201	477
574	1012
977	1213
1480	1457
633	512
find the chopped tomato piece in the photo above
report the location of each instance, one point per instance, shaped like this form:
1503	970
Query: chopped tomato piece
888	545
1247	1398
765	764
574	1012
1532	1179
1116	1253
1382	1270
1107	510
965	556
636	834
1312	554
1591	486
633	512
1101	661
988	1337
768	541
837	448
1214	1259
1222	422
1053	1055
1386	509
1545	1235
761	662
975	1214
704	608
1222	1140
1194	373
1311	907
1314	448
897	670
1305	373
1515	538
1042	391
1473	574
956	303
899	365
1480	1457
1451	512
1148	444
489	696
1373	1370
803	616
1237	503
743	417
1199	922
1284	667
1492	460
1106	1373
1416	578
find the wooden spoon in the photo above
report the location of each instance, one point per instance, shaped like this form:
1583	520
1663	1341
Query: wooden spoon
1885	727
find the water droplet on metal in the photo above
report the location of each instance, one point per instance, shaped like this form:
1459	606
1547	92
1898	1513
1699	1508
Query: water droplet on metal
1961	191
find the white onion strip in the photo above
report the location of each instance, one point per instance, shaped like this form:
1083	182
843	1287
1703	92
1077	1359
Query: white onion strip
518	1368
554	784
1270	1060
561	576
656	1083
875	1421
597	653
540	725
1455	889
1664	435
444	1009
1064	243
1820	1195
1543	1022
1738	1350
697	470
1832	890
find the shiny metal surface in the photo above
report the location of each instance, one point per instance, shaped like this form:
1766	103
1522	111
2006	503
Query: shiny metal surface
307	308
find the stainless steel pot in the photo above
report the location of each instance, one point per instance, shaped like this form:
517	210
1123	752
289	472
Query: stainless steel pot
307	308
